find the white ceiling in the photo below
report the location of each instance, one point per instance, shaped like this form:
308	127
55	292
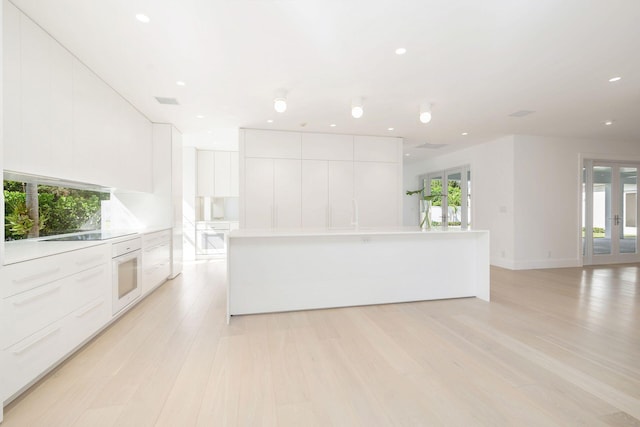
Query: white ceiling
475	61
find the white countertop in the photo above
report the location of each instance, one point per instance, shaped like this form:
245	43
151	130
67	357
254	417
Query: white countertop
360	231
25	250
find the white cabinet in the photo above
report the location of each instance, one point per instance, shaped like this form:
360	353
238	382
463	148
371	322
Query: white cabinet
206	164
258	196
218	174
156	259
272	193
50	306
377	192
315	193
332	176
222	174
63	121
287	193
272	144
340	181
324	146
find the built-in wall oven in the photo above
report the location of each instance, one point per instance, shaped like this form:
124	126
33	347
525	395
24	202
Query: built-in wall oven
127	272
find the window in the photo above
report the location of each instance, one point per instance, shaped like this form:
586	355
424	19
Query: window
33	208
453	207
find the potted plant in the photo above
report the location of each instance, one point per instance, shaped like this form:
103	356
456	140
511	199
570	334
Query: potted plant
425	207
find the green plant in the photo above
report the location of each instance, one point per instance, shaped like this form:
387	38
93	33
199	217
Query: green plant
427	198
18	222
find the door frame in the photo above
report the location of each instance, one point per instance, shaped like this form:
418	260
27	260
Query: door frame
464	188
586	247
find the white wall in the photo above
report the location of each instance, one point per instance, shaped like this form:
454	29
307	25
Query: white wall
548	188
492	191
527	191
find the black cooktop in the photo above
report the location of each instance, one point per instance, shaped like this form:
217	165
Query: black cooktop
93	235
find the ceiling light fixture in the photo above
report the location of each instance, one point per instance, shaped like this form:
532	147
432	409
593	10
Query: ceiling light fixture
425	113
608	122
614	79
389	128
143	18
401	51
332	125
199	116
356	108
269	121
280	101
465	133
180	83
407	154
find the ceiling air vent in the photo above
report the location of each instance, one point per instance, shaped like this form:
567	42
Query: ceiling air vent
521	113
166	101
428	146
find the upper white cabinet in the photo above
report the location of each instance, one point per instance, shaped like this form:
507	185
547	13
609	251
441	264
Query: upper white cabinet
218	173
222	174
324	146
336	181
377	149
206	163
272	144
61	120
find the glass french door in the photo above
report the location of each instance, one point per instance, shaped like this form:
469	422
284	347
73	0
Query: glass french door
453	207
610	212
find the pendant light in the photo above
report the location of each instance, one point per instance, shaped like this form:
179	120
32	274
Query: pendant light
280	104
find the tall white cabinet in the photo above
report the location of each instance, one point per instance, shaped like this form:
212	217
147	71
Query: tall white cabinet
217	173
310	180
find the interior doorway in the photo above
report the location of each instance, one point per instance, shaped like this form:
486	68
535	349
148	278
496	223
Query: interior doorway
610	212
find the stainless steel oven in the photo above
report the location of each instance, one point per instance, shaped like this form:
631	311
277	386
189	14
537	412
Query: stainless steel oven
127	272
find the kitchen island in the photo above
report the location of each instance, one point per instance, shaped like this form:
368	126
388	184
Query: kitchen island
273	270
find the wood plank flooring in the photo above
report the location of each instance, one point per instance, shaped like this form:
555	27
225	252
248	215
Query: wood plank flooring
556	347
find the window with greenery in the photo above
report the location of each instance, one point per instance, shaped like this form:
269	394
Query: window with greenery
35	210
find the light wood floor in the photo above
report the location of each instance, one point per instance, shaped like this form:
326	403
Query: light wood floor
554	348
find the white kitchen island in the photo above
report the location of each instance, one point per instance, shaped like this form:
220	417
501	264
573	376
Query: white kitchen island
273	270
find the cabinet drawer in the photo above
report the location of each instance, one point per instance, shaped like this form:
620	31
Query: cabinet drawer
156	238
30	311
85	321
81	288
22	276
26	360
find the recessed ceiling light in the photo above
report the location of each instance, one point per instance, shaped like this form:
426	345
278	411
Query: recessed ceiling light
608	122
209	131
269	121
389	128
615	79
332	125
143	18
401	51
200	116
180	83
407	154
465	133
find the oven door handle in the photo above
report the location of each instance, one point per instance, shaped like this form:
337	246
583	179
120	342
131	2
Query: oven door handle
128	256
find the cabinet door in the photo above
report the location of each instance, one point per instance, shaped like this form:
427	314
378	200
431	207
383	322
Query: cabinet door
61	112
258	203
222	174
377	194
206	164
234	186
11	99
324	146
36	97
272	144
340	182
315	193
287	191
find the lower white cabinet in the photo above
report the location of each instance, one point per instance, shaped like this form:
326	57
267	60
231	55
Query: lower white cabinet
46	322
156	259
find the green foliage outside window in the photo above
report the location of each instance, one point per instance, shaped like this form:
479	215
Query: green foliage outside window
61	210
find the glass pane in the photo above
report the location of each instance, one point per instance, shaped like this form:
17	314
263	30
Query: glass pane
454	199
434	184
628	210
601	210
